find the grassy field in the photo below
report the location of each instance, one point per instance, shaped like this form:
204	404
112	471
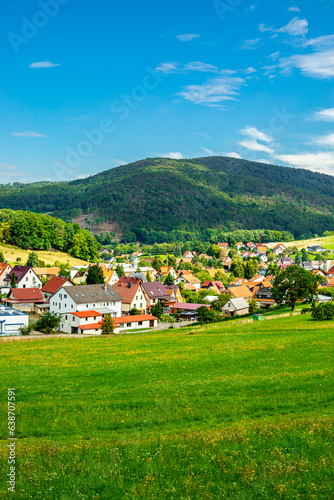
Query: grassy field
11	253
327	242
222	411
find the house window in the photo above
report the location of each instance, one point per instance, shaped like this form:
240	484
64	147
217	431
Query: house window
60	296
66	317
26	279
128	324
141	306
72	306
140	323
73	318
65	296
93	305
87	306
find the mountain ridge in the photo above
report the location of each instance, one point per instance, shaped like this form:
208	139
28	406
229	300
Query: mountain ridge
165	195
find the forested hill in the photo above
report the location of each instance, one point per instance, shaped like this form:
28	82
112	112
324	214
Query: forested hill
167	195
42	232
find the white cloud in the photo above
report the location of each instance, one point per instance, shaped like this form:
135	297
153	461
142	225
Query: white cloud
327	141
232	154
168	67
188	37
176	67
28	133
274	56
254	133
253	145
322	162
209	152
200	66
317	65
43	64
214	91
173	156
326	115
250	70
320	42
252	44
296	27
293	9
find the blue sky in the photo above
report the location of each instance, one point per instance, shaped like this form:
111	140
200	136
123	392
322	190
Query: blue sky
87	86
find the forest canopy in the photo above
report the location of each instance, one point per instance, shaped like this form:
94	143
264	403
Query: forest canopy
29	230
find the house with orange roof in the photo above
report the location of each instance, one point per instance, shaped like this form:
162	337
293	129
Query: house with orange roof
46	272
166	270
111	278
85	322
240	291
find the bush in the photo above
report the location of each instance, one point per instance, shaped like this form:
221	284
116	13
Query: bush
26	329
323	312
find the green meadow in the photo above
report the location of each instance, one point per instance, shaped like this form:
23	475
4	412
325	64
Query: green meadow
221	411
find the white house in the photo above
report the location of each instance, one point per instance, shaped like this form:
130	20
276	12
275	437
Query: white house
25	277
11	320
236	307
81	322
101	298
141	321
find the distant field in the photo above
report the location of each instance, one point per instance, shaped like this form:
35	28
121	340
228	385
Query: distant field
223	411
327	242
11	253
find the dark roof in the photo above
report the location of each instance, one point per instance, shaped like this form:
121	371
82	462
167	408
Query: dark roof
156	290
53	285
87	294
20	272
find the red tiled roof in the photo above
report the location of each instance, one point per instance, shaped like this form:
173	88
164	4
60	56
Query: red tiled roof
27	294
127	288
54	284
86	314
92	326
133	319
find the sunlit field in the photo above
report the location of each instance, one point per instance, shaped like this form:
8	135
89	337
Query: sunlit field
222	411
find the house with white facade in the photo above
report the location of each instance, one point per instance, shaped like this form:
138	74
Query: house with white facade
88	322
101	298
11	320
25	277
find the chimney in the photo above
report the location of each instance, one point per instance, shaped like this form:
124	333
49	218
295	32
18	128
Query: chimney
105	287
130	284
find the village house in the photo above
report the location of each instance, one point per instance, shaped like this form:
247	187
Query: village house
25	277
5	269
111	277
53	285
240	291
279	249
102	298
238	246
186	311
316	249
155	292
236	307
165	271
174	292
87	322
132	294
217	285
46	272
189	255
24	299
11	320
140	321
